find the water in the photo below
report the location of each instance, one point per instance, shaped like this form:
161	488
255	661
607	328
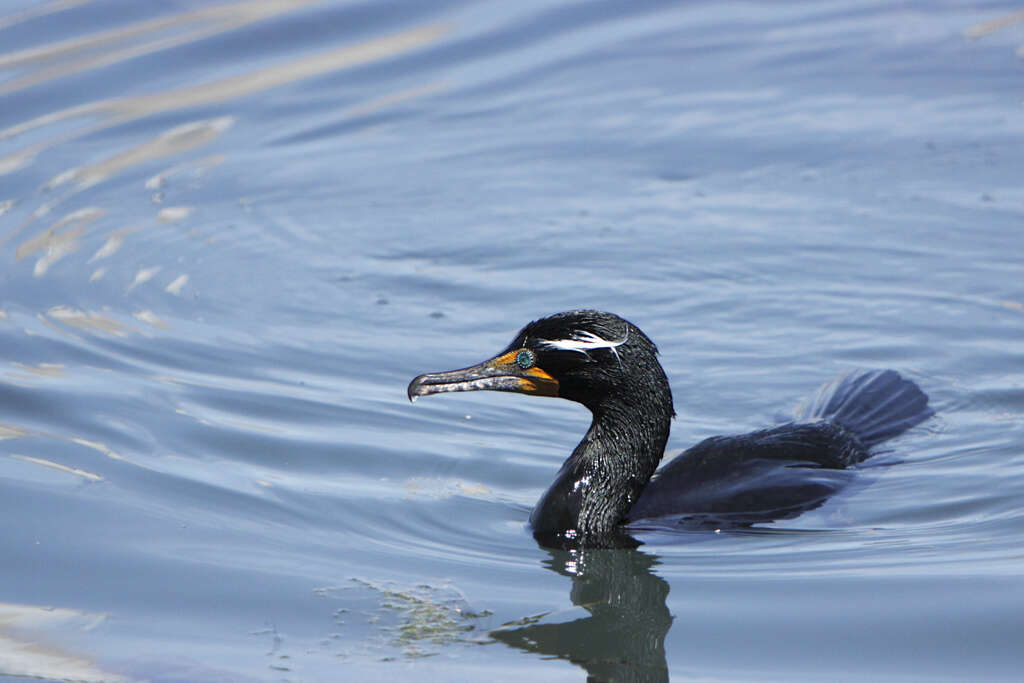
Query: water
231	234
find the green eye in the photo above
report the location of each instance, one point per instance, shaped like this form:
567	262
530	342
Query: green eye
525	359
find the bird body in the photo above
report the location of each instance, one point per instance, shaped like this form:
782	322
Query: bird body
610	366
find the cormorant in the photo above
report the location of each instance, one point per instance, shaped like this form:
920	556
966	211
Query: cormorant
607	364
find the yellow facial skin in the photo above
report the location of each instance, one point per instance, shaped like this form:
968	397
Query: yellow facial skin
531	381
501	373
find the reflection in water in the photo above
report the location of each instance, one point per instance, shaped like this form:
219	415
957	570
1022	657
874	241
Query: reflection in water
11	431
176	285
144	275
623	638
988	27
125	109
102	49
40	10
174	141
97	50
86	321
90	476
151	318
59	240
24	654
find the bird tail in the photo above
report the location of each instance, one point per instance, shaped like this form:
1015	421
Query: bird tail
875	405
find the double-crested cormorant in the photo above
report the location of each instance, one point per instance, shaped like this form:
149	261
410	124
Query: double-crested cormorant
611	367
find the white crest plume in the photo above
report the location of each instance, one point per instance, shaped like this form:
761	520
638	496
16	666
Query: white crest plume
584	342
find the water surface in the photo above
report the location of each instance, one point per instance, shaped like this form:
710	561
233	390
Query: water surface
231	234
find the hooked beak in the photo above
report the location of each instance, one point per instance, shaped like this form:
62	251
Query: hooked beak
500	373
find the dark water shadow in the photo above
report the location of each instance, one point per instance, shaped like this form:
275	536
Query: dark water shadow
616	632
621	636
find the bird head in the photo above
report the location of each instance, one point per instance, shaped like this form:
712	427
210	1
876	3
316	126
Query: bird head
590	357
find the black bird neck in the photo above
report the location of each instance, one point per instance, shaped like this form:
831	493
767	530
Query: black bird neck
610	467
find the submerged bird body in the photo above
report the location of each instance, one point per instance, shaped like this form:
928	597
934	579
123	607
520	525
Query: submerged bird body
607	364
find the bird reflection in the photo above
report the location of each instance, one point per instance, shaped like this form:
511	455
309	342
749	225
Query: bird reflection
622	637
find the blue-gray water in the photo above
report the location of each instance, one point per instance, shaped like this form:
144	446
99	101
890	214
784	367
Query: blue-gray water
231	234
